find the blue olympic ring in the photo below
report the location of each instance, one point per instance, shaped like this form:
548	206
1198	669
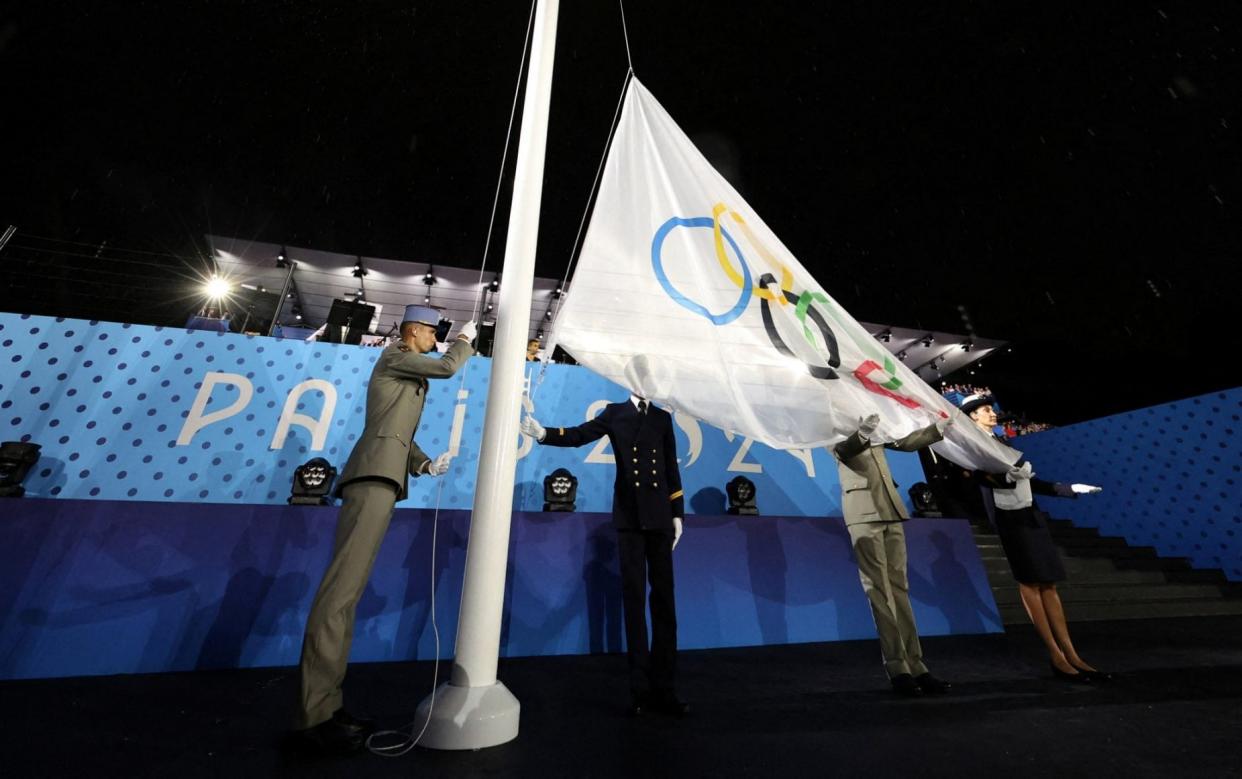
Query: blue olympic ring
657	244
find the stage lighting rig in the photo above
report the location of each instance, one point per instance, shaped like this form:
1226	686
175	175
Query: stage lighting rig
741	492
560	490
312	483
16	460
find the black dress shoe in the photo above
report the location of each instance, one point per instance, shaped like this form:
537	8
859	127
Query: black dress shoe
360	725
668	703
931	685
904	684
331	738
1078	678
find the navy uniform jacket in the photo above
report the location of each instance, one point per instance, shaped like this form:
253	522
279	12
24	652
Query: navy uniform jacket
648	493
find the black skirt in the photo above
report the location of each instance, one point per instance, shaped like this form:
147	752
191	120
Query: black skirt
1033	557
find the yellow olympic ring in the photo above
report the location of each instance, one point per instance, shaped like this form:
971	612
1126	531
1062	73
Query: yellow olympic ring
731	272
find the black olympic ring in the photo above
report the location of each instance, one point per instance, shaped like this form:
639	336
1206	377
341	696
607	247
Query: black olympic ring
834	353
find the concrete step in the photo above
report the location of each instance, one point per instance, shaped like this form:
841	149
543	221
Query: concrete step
1087	569
1114	552
1086	611
1199	576
1090	542
1152	563
1109	579
1077	590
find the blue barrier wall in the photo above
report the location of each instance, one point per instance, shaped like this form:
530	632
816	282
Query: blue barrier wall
128	412
1172	477
105	587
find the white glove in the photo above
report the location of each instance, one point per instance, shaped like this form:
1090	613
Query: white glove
676	531
469	331
1085	489
440	465
867	425
1017	474
943	424
531	427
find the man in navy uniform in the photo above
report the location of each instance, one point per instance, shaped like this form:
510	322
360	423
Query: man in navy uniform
647	507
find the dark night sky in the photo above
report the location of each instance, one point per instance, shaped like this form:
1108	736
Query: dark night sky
1067	172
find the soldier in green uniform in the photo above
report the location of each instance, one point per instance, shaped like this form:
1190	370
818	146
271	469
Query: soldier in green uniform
874	513
372	482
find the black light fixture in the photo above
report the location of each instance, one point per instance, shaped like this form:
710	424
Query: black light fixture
560	490
359	271
967	345
427	300
16	460
429	277
901	356
312	483
886	336
539	334
924	501
548	315
556	293
495	285
928	340
741	492
282	258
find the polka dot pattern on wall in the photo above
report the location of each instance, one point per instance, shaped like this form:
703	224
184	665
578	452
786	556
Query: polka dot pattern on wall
1172	477
108	403
117	399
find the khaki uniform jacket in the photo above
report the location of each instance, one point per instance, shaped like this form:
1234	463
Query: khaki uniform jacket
869	494
395	396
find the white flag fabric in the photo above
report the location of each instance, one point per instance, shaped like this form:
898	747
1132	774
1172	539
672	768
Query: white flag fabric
683	295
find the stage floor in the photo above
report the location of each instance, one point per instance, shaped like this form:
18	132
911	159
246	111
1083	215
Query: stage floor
798	710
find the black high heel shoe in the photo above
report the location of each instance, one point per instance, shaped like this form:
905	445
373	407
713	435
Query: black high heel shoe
1095	676
1078	678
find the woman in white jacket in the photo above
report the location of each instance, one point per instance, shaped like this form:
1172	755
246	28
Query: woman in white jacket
1033	556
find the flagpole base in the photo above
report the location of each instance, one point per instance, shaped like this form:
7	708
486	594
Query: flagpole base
469	717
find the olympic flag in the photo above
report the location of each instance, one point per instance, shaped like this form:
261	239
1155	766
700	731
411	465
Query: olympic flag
684	295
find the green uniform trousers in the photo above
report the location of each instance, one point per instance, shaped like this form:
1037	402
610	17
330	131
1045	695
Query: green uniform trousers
360	527
880	549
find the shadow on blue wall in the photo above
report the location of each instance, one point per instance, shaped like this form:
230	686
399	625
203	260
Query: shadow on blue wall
100	587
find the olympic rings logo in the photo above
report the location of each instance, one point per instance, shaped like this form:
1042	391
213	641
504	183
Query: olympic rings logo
770	293
767	289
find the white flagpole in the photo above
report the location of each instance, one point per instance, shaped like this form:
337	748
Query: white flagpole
474	709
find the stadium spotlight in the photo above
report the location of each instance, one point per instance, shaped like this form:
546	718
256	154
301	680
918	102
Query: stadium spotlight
217	288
